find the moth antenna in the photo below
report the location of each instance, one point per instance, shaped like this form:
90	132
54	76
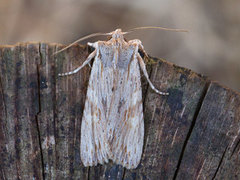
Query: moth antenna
81	39
157	27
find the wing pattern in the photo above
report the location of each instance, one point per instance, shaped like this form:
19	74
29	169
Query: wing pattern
112	124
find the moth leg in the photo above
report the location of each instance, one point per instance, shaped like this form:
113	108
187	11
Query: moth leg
89	58
143	67
94	46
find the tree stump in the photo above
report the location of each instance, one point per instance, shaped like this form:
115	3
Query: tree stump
194	133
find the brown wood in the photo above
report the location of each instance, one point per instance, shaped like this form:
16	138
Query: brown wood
191	134
213	147
19	134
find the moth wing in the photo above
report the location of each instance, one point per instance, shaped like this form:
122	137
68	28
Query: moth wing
127	138
94	142
112	123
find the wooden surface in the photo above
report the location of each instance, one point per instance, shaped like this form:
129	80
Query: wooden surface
194	133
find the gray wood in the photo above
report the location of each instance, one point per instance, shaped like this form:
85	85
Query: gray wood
19	135
193	133
62	101
213	149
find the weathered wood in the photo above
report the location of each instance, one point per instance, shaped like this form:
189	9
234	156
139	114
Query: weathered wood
213	147
192	133
19	145
62	102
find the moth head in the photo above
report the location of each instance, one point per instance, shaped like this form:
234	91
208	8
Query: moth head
117	34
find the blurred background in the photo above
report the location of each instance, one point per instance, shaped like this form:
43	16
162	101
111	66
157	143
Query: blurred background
212	47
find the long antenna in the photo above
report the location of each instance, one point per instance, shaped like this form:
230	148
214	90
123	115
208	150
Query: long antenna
81	39
131	30
155	27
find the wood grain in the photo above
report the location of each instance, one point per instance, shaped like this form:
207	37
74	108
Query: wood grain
191	134
213	147
19	134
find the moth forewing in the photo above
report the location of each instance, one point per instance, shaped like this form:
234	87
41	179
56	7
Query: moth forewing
112	124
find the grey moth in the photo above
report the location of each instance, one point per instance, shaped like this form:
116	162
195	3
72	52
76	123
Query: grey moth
112	123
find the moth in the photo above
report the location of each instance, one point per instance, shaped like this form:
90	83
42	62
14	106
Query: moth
112	123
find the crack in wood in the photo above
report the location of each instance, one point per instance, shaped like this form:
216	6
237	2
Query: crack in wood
235	148
191	127
39	111
40	146
220	162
